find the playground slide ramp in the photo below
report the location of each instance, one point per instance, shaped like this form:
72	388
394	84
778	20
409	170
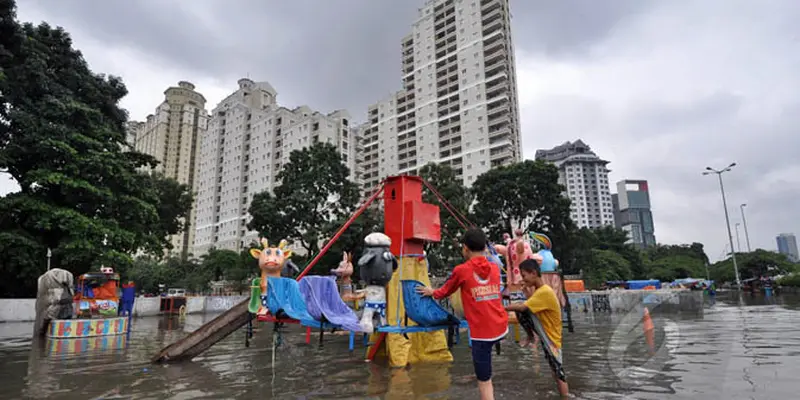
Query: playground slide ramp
206	336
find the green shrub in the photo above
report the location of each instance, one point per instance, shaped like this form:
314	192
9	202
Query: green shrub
790	280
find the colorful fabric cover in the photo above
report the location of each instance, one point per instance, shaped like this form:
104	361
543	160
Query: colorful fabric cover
322	299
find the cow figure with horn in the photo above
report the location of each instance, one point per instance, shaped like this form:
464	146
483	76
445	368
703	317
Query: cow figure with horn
377	264
271	261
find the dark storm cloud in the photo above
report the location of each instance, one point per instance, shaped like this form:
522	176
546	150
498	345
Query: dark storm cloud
661	89
328	54
570	28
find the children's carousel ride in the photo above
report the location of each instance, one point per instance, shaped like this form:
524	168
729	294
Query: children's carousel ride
88	309
408	327
397	321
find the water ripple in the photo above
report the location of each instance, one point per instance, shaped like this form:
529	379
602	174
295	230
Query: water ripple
738	349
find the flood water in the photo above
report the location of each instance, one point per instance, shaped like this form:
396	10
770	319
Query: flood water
740	348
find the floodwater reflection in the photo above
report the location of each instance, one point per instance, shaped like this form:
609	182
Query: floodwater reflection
742	347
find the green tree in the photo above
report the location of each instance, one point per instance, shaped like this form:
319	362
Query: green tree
752	265
173	208
524	195
352	240
148	272
446	253
193	276
313	193
671	267
670	262
249	264
227	265
61	139
606	265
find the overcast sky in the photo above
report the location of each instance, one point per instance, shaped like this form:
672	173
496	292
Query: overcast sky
661	89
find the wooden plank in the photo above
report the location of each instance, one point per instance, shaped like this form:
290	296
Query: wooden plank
206	336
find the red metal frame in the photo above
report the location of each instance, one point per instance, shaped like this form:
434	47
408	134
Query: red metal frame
341	230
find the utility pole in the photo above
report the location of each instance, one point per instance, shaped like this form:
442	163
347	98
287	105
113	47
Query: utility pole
719	173
738	242
744	222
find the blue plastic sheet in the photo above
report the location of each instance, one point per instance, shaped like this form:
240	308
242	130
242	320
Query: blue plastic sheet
322	299
425	311
284	294
635	285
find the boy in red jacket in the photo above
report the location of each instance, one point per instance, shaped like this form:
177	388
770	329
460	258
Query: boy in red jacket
479	281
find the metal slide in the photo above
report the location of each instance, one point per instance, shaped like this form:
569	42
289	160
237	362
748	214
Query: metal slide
207	335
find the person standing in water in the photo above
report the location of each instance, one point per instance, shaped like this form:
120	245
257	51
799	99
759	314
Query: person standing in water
479	281
542	311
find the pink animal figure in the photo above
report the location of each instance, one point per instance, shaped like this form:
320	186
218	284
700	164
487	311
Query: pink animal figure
515	252
345	269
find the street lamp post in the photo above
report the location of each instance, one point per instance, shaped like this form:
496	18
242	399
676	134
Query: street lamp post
719	173
744	222
49	254
738	242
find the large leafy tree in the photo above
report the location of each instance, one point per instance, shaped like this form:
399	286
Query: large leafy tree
173	208
314	193
606	265
526	195
670	262
752	265
443	178
61	138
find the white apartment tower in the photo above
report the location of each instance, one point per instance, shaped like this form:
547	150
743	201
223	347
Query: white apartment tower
249	139
171	135
132	129
585	177
458	104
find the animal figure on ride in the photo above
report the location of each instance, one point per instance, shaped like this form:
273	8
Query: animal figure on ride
271	261
345	271
515	252
548	264
377	264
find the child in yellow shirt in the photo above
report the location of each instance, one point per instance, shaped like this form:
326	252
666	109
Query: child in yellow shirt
541	314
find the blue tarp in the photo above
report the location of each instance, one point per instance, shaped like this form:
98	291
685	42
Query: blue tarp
684	281
491	255
634	285
321	295
425	311
284	294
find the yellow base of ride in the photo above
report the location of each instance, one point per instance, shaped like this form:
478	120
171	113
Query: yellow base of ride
428	347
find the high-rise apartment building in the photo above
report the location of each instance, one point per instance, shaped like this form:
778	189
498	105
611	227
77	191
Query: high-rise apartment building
787	244
132	129
585	177
250	137
631	205
171	136
458	104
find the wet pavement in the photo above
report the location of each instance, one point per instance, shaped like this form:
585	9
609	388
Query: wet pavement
740	348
